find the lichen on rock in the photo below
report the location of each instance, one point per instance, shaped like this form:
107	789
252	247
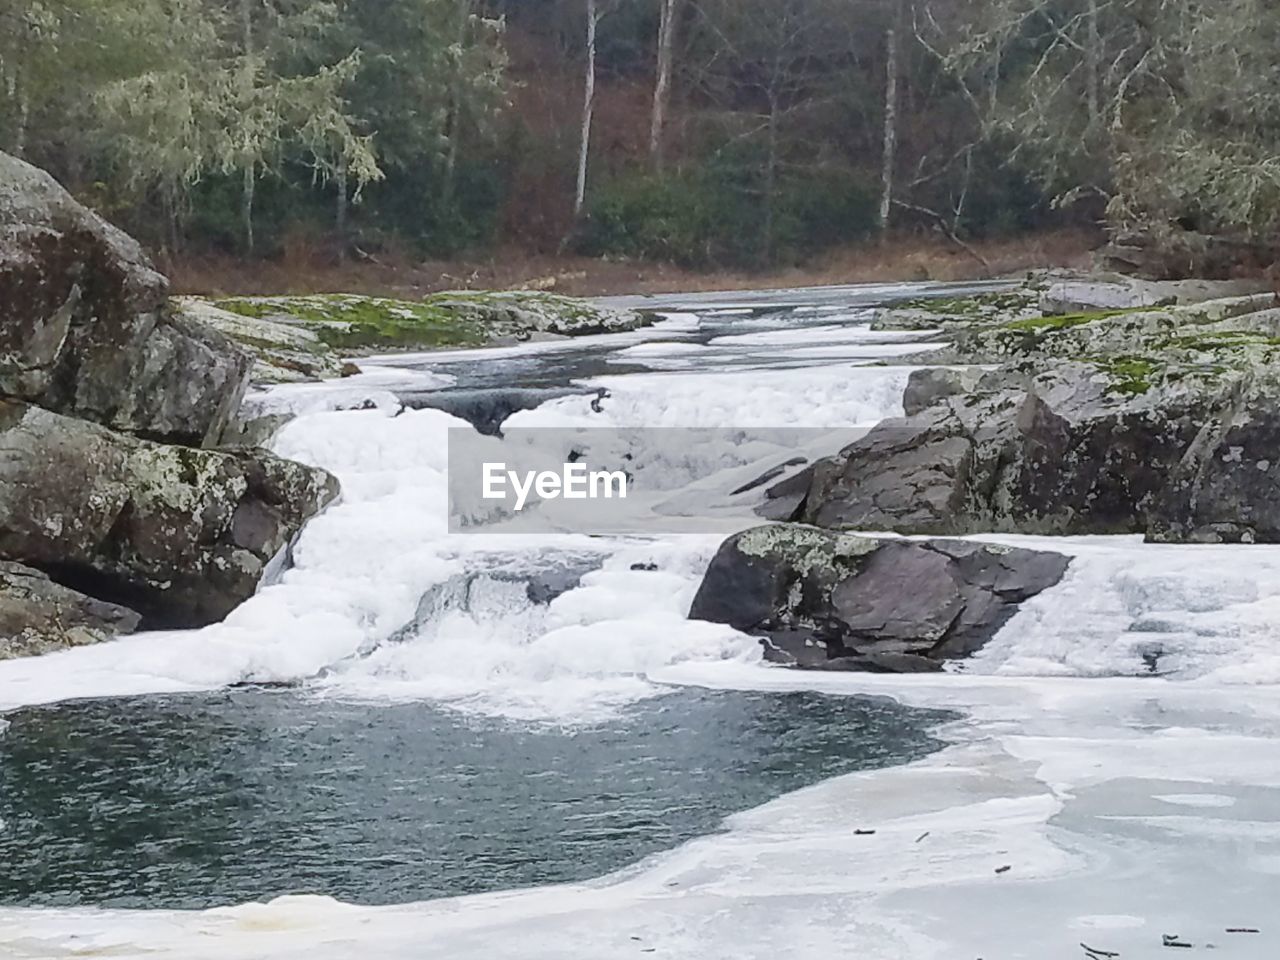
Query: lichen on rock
827	600
356	324
85	325
181	535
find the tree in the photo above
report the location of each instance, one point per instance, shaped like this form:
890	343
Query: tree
594	14
432	84
1166	112
889	152
776	69
669	11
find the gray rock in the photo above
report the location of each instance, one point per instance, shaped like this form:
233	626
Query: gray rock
520	313
933	384
835	601
487	408
1117	292
1226	486
282	352
945	313
39	616
85	326
1182	453
255	431
179	534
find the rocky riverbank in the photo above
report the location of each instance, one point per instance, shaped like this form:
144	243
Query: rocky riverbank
118	506
130	495
1066	406
313	337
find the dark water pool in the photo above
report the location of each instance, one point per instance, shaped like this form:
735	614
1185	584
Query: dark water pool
198	801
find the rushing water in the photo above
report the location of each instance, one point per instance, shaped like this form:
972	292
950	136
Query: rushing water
470	713
215	799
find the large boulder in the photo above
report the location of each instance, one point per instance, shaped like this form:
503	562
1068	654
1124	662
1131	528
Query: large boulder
179	534
39	616
826	600
1100	292
1185	452
85	326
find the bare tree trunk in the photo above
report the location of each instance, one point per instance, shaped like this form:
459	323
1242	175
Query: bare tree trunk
171	215
588	107
662	86
770	185
340	215
1093	60
890	149
246	205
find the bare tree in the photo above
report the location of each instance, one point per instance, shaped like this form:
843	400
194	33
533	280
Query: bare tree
669	10
889	152
594	14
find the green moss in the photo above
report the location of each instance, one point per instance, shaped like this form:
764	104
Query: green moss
1131	376
1222	339
975	307
1066	321
452	319
349	322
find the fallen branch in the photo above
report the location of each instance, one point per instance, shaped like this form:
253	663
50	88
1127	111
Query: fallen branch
1097	954
941	223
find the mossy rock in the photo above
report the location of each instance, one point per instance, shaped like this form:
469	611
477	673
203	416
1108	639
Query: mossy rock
359	324
282	352
927	313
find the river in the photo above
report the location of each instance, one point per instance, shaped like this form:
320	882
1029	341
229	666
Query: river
397	720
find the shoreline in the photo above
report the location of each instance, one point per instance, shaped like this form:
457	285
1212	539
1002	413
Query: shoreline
907	259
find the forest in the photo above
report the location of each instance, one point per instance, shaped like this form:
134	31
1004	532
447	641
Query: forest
706	133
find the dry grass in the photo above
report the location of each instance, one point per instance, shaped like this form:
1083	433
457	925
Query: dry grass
301	269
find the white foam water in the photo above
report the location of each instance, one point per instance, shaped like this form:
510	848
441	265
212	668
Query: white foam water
1114	778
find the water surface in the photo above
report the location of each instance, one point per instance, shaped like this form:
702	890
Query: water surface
216	799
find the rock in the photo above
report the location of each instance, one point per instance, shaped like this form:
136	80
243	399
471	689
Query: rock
282	352
1180	453
39	616
181	535
1169	253
85	326
487	408
933	384
1116	292
358	324
522	312
1226	486
255	431
785	499
1160	335
827	600
928	313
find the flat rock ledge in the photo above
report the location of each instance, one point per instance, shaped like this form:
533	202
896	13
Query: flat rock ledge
823	600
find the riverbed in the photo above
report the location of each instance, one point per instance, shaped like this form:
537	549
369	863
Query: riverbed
1077	797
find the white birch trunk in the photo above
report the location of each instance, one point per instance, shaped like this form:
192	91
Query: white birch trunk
662	86
890	149
588	108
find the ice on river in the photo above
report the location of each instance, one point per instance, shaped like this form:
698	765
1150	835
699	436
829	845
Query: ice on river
1082	799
